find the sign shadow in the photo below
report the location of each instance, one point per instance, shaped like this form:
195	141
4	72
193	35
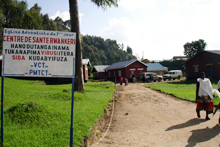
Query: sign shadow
202	135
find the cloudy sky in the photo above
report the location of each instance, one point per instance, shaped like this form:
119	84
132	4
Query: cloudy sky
154	29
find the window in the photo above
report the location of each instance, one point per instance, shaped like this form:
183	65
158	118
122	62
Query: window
95	74
159	72
114	73
119	73
140	70
109	73
196	68
132	72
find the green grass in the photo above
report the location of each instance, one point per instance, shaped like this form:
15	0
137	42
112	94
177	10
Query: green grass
182	90
38	115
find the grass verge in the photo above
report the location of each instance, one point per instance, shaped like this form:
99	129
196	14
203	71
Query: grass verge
183	90
38	115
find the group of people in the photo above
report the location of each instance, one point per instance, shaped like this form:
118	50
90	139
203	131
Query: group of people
204	96
125	81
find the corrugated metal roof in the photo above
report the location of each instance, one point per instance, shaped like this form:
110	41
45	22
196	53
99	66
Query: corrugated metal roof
155	67
213	51
210	51
123	64
100	68
86	61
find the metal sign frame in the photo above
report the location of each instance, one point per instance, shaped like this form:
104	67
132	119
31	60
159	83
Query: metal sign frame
38	53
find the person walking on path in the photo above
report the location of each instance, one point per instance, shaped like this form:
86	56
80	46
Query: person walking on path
204	95
121	80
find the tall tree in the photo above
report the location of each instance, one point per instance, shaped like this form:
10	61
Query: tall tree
14	14
193	48
129	50
48	24
2	20
18	16
60	24
74	21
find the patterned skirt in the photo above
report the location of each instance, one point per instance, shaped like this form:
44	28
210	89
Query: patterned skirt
205	103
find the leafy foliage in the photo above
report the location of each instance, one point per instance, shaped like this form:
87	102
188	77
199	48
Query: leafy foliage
48	24
14	14
193	48
103	52
129	50
174	65
60	24
105	3
18	16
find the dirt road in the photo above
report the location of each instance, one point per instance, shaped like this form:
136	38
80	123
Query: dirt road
146	118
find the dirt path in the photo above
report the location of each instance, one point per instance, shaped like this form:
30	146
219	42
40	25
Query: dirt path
146	118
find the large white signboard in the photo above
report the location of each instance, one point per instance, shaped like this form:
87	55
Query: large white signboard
38	53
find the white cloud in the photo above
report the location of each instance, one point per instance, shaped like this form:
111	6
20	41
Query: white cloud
132	5
164	36
65	15
133	34
196	3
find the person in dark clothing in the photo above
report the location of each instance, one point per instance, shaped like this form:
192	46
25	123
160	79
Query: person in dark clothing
133	78
151	77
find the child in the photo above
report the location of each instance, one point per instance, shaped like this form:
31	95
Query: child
126	81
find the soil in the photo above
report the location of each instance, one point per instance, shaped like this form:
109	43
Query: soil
146	118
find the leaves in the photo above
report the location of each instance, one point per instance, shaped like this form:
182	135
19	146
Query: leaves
105	3
193	48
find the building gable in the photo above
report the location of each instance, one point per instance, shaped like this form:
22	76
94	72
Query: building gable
206	61
123	64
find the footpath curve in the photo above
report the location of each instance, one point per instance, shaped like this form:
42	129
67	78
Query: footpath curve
147	118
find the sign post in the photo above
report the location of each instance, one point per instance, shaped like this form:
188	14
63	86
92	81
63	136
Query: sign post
38	53
72	105
2	113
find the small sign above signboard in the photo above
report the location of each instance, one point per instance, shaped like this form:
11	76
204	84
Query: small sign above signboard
38	53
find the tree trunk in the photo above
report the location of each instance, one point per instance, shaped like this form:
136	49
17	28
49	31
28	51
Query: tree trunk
74	21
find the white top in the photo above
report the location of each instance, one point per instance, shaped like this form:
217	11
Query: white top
205	88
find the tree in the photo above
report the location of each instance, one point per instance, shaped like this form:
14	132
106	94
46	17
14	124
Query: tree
174	65
74	21
14	14
193	48
18	16
60	24
2	20
48	24
129	50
